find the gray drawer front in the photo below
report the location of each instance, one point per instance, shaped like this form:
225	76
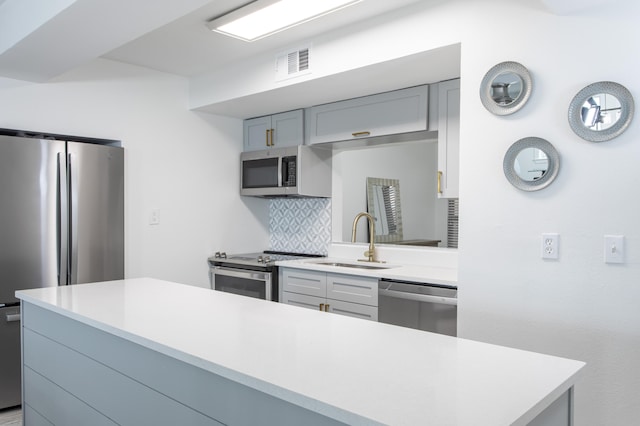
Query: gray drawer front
300	281
350	288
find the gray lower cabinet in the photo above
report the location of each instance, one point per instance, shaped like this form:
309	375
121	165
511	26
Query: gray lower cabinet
74	374
342	294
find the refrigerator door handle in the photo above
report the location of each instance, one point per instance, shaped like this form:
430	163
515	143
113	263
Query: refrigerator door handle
12	317
62	220
73	215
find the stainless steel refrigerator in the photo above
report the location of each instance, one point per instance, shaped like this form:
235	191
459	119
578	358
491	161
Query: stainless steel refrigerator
61	223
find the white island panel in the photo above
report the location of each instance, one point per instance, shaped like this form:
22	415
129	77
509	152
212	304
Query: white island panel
352	371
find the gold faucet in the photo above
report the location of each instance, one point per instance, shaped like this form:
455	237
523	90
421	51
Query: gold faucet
371	253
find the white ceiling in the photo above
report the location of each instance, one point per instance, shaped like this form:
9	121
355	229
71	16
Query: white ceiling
168	36
43	39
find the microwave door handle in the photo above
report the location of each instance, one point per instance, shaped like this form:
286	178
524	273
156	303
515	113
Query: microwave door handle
281	171
419	297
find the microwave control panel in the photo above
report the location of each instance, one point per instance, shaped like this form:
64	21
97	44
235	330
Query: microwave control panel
289	171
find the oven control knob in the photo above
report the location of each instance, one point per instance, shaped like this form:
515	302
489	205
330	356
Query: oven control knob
223	255
260	259
217	255
267	259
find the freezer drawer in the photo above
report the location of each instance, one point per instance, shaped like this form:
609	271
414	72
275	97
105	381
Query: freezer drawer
10	391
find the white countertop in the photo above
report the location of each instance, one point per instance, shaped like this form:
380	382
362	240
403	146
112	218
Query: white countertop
396	271
355	371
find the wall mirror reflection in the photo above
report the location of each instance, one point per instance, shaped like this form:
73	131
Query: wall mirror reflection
505	88
601	111
414	164
531	164
383	203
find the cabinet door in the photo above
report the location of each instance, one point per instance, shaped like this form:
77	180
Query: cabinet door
256	134
274	131
302	300
400	111
288	129
351	288
448	138
353	310
300	281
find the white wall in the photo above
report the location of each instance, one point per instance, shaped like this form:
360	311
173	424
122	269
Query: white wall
180	162
577	306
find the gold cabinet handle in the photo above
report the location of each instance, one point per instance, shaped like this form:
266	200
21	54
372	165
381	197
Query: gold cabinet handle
439	182
321	307
266	142
271	138
357	134
326	307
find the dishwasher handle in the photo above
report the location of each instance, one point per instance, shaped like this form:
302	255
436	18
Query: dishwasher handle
453	301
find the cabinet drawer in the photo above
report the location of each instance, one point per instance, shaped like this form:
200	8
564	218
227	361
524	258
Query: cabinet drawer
302	300
350	288
353	310
304	282
400	111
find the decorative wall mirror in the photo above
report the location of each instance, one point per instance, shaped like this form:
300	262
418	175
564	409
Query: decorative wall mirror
531	164
383	202
505	88
601	111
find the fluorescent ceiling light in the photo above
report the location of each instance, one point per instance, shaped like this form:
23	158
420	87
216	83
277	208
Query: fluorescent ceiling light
262	18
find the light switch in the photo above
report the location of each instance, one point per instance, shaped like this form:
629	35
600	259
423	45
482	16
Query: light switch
614	248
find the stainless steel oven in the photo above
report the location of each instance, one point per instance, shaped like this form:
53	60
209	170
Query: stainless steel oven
253	274
423	306
258	284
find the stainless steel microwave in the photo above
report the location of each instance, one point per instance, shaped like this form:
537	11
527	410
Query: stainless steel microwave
297	171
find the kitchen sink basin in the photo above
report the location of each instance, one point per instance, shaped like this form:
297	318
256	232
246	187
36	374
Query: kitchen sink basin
352	265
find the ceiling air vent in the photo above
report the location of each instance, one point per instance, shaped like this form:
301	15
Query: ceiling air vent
292	64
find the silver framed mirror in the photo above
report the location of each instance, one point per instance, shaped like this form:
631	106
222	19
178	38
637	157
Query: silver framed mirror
531	164
601	111
506	88
383	203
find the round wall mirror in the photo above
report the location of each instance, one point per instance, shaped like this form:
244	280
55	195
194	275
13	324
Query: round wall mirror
531	164
601	111
505	88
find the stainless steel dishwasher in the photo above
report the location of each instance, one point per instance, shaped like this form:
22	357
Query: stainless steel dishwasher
423	306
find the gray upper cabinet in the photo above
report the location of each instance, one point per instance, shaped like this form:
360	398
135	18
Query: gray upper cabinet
274	131
448	138
399	111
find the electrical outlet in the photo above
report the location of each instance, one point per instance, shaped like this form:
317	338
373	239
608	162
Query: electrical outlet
614	248
550	246
154	218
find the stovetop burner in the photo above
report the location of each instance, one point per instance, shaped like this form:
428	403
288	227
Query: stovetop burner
266	258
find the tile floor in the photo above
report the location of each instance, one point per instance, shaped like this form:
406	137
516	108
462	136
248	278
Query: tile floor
11	417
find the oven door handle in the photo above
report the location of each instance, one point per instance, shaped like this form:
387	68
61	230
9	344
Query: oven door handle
254	275
419	297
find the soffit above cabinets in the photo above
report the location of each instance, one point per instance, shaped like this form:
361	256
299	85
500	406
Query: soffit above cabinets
422	68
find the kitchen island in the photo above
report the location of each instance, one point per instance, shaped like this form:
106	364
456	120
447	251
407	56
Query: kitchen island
145	351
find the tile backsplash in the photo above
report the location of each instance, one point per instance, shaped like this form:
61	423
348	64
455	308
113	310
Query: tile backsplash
300	225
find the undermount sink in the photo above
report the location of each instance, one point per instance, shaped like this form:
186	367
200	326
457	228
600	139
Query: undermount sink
352	265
